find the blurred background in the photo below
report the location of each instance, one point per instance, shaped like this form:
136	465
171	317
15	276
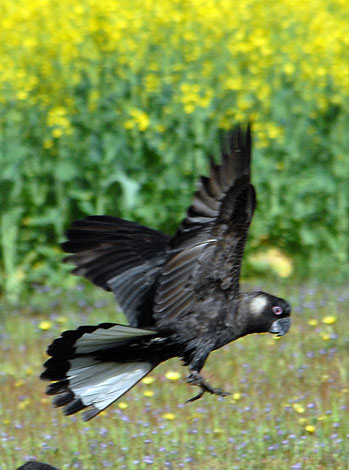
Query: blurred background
113	108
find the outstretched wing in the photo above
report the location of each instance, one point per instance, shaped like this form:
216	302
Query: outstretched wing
208	247
119	256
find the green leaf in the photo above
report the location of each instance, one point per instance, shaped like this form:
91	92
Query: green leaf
66	170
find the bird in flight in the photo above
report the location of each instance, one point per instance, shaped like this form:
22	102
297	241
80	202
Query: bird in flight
181	294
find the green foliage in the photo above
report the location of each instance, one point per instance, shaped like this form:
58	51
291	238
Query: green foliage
302	188
104	122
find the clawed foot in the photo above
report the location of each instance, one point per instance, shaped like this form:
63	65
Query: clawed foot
196	379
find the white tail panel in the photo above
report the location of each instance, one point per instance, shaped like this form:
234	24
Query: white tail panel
101	383
100	337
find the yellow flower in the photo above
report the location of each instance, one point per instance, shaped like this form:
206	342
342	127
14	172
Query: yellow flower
312	322
148	393
310	428
289	68
22	95
189	108
329	319
45	325
325	336
59	121
148	380
23	404
302	421
169	416
139	119
172	375
57	133
123	405
143	121
298	407
236	396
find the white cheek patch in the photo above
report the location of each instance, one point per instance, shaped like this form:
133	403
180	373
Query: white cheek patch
258	304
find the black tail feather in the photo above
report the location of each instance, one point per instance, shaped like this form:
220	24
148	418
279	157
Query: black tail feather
93	366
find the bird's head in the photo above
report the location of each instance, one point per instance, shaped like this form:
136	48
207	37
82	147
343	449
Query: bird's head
265	313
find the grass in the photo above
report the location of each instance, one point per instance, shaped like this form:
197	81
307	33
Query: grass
286	410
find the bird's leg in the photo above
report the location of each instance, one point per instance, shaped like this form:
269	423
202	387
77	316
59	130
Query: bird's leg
196	379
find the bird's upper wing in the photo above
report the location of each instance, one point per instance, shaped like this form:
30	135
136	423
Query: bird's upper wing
206	252
119	256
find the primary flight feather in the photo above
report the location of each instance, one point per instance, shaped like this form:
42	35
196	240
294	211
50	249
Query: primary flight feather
180	294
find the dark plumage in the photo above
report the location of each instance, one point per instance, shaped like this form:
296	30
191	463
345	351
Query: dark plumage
34	465
180	294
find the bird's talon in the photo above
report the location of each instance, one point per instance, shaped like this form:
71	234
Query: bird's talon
196	379
218	391
197	397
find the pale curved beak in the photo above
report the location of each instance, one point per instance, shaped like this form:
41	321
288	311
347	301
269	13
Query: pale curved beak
280	327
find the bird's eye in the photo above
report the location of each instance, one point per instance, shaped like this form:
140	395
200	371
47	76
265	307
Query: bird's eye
277	310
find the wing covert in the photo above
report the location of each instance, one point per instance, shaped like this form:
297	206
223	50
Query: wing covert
119	256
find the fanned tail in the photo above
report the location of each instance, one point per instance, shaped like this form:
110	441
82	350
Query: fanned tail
93	366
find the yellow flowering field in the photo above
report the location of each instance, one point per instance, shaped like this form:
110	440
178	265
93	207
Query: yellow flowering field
112	107
201	51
